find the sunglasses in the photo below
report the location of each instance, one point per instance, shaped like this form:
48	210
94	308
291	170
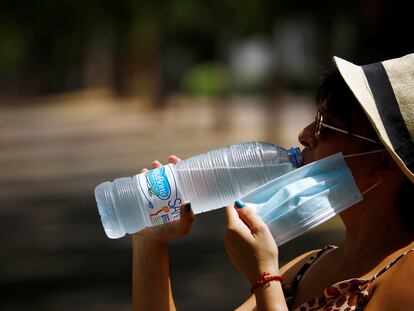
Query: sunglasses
320	124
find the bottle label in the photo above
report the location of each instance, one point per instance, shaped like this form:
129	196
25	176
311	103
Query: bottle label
161	194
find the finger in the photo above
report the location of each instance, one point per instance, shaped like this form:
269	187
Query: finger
173	159
156	164
235	226
249	217
144	170
186	215
232	216
177	228
183	225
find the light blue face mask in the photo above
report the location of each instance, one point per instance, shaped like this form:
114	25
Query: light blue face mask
304	198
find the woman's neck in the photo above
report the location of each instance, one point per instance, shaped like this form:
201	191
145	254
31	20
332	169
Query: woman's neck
374	225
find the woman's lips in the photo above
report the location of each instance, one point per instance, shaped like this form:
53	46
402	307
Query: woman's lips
306	157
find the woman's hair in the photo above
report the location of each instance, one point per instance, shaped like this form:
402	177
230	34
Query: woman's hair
339	100
341	103
336	93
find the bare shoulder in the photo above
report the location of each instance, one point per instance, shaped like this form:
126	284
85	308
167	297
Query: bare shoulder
291	269
394	289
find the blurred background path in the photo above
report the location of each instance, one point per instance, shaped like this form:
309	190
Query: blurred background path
54	253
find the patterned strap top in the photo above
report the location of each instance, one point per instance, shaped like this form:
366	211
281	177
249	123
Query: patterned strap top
347	295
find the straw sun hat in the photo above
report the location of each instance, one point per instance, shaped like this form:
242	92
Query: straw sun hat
385	91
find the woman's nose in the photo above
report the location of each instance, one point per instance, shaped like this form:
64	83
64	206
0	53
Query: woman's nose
307	136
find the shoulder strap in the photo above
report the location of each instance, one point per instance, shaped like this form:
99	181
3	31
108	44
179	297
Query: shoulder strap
376	275
309	263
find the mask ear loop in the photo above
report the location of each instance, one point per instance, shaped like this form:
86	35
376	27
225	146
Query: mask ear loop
372	187
364	153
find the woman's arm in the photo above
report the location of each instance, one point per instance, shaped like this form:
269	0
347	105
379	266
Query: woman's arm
288	271
253	251
151	276
151	287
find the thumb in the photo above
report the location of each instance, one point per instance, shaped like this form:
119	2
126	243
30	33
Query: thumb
179	227
186	213
186	218
248	216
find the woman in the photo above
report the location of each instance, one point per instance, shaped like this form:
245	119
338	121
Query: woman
367	112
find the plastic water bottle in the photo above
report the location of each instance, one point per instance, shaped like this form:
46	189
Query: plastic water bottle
209	181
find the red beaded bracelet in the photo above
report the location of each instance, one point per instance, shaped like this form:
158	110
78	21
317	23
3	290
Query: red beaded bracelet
266	277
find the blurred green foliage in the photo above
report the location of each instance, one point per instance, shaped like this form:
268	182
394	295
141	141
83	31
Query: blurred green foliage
44	43
207	80
12	49
50	46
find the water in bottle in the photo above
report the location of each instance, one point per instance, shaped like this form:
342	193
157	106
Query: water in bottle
209	181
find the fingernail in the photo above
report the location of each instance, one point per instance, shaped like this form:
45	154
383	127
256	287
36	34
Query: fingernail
239	204
188	208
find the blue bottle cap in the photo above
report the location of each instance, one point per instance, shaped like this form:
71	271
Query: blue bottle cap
295	156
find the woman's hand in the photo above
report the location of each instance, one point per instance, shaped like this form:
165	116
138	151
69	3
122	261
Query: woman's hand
163	233
151	284
249	243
